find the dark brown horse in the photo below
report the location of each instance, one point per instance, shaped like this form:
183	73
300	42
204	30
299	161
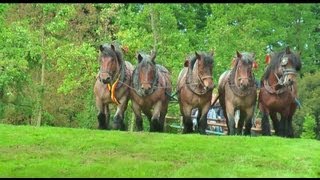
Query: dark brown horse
151	92
111	86
237	94
195	85
278	92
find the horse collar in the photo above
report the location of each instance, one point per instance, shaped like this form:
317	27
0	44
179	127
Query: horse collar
271	90
193	86
235	89
118	78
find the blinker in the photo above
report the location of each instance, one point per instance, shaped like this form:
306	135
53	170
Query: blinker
284	61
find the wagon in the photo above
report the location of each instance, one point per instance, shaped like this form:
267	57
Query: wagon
217	122
215	118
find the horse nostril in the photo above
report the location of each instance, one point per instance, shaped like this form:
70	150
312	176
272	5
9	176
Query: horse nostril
104	81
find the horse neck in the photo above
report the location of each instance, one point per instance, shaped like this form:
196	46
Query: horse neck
193	81
193	75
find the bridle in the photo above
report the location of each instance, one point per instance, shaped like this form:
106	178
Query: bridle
236	90
193	85
283	77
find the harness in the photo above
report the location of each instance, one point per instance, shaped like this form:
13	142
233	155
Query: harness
111	87
193	85
286	72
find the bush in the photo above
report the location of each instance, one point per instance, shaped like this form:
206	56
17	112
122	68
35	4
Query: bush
309	125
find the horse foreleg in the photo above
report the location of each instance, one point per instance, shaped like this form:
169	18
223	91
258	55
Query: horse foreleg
265	125
118	119
290	133
203	123
275	122
102	118
238	121
155	124
282	126
231	122
248	120
137	112
162	118
186	118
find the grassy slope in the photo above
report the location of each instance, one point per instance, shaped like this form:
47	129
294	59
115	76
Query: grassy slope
27	151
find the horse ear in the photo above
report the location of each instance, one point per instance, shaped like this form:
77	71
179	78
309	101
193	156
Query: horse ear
238	54
101	48
288	50
139	58
113	48
233	63
186	63
197	55
255	64
267	59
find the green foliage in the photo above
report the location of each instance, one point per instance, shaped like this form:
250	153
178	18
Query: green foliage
309	93
66	38
28	151
309	125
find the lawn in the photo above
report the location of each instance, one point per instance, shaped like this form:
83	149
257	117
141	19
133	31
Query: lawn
27	151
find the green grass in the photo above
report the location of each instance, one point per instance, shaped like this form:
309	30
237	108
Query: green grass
27	151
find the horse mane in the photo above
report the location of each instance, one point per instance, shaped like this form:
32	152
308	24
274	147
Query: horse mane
206	57
275	62
246	58
109	52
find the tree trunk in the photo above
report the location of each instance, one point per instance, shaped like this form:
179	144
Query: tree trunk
41	92
153	26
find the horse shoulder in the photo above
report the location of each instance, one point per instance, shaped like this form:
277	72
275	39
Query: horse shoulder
181	76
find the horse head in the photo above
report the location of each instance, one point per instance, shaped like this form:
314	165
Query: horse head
110	60
201	66
285	64
243	64
147	73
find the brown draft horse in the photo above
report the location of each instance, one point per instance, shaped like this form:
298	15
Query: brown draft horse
278	92
237	94
195	85
151	92
111	86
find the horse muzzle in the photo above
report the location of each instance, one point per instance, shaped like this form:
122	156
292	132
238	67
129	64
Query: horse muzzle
210	87
106	80
146	90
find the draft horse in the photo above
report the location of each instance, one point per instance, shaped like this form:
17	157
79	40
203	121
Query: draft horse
194	90
151	92
237	93
112	86
278	92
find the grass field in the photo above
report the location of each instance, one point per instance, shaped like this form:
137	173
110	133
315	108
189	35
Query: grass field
27	151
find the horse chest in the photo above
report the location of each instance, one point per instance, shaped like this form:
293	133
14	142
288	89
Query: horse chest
239	101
